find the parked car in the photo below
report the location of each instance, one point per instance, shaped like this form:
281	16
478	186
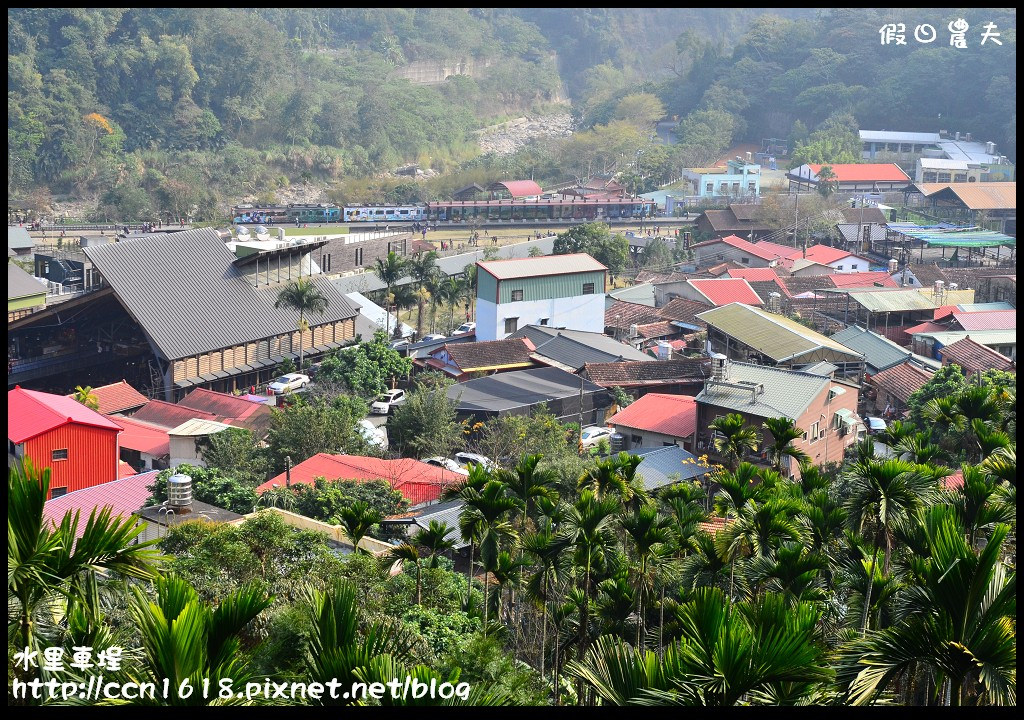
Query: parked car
289	383
371	434
433	336
465	459
875	425
466	327
447	464
384	403
592	435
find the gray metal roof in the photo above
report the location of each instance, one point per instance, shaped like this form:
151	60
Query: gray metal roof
879	352
851	232
667	466
541	266
184	291
519	388
825	369
787	393
587	345
896	136
642	294
21	284
18	238
447	513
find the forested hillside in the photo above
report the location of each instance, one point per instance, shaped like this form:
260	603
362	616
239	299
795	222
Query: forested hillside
185	110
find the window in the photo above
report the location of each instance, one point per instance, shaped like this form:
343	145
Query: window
325	263
636	440
893	147
813	432
751	188
517	295
544	321
588	288
854	266
960	177
745	261
511	325
57	492
709	188
59	454
929	177
944	177
839	267
359	257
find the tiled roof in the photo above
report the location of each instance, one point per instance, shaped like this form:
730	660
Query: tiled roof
541	266
668	465
232	410
972	357
674	415
745	211
189	295
417	481
723	291
714	525
169	415
663	372
573	348
31	413
799	285
727	221
901	380
117	397
146	438
862	279
773	335
783	393
954	481
766	288
991	320
490	355
658	329
684	310
863	215
864	172
926	273
620	315
123	496
780	251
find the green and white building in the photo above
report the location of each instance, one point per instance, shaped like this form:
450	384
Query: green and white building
564	291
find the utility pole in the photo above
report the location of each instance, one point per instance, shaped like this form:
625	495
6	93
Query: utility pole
580	438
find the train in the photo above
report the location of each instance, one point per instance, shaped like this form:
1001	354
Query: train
326	212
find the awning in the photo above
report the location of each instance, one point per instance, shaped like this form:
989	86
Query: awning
220	374
185	383
847	417
209	377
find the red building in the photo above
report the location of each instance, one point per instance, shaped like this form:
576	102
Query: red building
78	444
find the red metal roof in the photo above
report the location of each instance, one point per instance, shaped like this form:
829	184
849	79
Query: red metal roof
169	415
143	437
520	188
987	320
117	397
927	326
865	172
765	251
954	481
821	254
31	413
124	496
230	409
780	251
674	415
862	279
124	469
417	481
722	291
752	275
943	311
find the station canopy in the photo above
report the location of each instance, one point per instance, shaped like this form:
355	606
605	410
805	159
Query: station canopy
940	236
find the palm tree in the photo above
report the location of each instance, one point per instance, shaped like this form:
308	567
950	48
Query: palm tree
758	529
389	271
977	503
783	431
881	494
548	549
435	538
469	274
304	296
650	533
87	397
45	561
357	519
827	183
917	448
340	646
613	477
183	638
959	622
449	291
410	552
736	488
765	651
733	437
421	267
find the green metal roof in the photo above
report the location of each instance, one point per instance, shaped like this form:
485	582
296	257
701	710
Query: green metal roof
773	335
787	393
887	300
972	237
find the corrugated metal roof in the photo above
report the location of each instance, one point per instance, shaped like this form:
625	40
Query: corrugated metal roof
894	136
942	164
905	300
722	291
18	239
447	513
519	388
674	415
169	415
773	335
668	465
195	426
518	188
117	397
137	435
787	393
123	497
987	320
862	279
642	294
879	352
602	347
977	196
20	284
864	172
985	337
31	413
541	266
189	298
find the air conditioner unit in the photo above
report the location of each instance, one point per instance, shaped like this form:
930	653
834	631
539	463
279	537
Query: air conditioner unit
633	331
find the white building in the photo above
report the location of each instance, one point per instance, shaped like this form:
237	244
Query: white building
566	291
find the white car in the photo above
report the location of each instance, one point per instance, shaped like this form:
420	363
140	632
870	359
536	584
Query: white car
288	383
399	344
371	434
432	337
467	327
465	459
447	464
383	404
875	425
592	435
